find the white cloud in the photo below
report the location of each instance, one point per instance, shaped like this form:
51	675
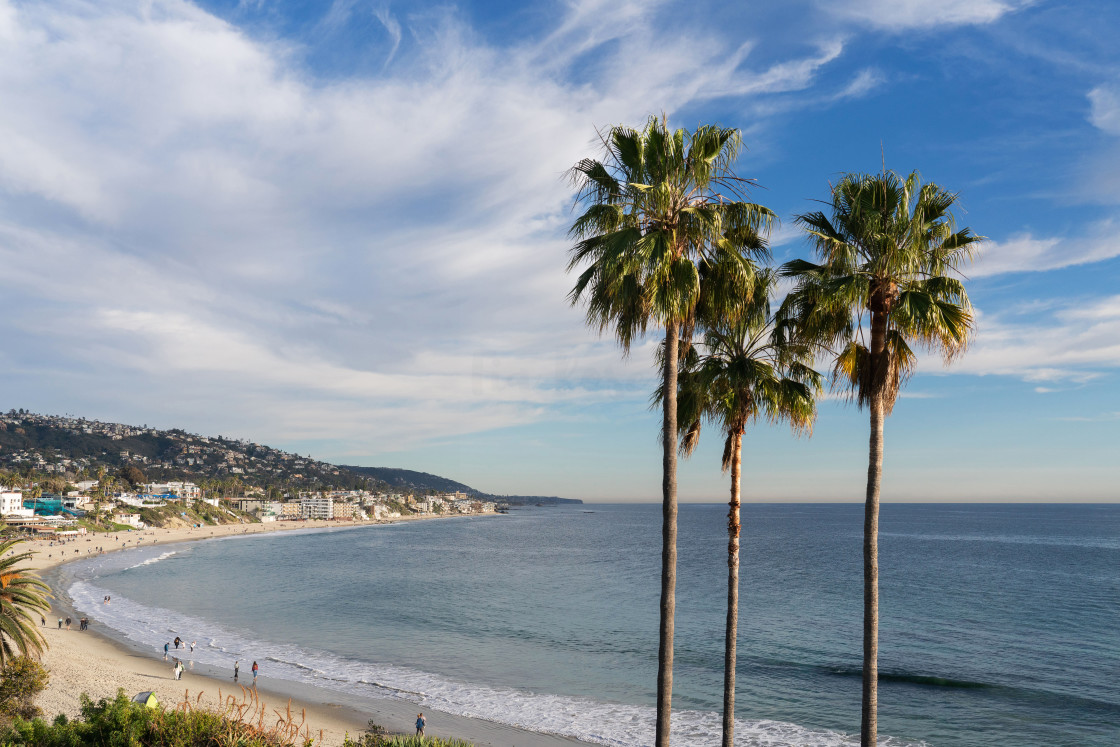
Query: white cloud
193	224
1104	110
900	15
392	26
1080	343
1027	253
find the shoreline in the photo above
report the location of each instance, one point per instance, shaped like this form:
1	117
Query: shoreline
97	663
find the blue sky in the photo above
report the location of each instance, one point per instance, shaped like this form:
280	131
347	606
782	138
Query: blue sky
339	228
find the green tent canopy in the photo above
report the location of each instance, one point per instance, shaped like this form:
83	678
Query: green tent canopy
147	698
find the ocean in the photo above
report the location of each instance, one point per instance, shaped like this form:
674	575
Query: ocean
1000	624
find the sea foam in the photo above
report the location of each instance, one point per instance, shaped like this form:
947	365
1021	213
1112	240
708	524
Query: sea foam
156	559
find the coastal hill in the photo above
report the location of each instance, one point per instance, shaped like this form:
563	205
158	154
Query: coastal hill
406	478
410	479
66	448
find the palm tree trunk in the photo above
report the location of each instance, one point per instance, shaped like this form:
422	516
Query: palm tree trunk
869	722
732	634
668	539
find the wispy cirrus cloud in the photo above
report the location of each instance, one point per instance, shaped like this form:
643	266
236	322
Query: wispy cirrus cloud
1028	253
900	15
191	217
1079	342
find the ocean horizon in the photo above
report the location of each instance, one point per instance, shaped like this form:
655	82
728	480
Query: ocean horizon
997	620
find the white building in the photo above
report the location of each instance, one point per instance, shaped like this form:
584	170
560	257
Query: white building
11	504
185	490
317	507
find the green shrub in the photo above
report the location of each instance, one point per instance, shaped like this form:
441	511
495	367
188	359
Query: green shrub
122	723
21	680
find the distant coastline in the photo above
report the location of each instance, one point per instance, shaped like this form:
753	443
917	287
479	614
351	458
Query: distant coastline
536	500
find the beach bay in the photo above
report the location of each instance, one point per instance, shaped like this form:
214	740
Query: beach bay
995	620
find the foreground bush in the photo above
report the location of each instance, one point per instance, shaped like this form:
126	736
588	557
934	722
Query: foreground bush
20	681
122	723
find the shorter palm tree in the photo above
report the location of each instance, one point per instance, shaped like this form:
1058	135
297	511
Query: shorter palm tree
20	593
746	368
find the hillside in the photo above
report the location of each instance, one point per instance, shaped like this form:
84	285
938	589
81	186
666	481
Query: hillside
71	449
405	478
77	448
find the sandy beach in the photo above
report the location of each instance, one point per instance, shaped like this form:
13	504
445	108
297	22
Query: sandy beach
93	663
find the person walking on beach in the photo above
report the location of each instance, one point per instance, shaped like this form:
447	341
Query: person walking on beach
255	670
68	621
60	623
420	722
236	667
166	648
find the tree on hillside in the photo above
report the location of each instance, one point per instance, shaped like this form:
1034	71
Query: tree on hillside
132	475
657	203
745	369
886	282
20	593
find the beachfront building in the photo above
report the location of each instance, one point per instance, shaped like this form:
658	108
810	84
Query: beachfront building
344	510
272	507
185	490
11	504
290	510
142	500
29	523
317	507
132	520
253	505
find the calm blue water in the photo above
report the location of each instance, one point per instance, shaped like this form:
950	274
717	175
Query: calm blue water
1000	624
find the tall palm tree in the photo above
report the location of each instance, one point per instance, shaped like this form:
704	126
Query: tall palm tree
750	368
886	281
657	203
19	593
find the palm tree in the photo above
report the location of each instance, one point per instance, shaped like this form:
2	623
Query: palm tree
889	257
656	204
19	593
750	369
